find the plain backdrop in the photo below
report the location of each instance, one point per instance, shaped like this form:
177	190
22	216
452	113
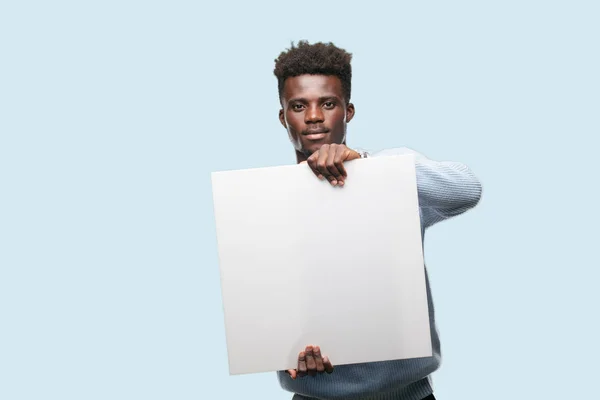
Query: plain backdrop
113	114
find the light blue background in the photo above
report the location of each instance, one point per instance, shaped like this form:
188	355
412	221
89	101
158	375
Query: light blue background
113	114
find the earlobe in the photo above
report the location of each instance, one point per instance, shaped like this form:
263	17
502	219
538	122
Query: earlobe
350	111
282	118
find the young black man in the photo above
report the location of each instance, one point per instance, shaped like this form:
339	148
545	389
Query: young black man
314	82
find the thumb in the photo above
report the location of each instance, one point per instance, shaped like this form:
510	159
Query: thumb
292	373
352	155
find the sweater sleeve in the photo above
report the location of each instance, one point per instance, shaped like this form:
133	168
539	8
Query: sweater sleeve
445	188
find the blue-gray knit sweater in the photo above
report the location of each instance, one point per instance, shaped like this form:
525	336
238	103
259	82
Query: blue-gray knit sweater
445	189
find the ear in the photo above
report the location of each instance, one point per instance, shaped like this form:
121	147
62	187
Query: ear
350	111
282	118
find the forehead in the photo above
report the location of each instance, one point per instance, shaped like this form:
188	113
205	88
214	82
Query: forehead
312	87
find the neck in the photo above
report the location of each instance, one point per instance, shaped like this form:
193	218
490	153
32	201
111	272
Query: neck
300	157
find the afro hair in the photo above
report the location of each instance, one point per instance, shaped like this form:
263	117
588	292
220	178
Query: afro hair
314	59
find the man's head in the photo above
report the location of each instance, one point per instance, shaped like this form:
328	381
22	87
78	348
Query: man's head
314	82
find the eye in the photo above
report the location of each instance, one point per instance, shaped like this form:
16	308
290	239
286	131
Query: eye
297	107
329	104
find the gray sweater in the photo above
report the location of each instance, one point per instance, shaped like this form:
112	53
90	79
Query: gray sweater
445	189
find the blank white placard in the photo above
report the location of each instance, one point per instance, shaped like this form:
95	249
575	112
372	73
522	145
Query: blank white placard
302	262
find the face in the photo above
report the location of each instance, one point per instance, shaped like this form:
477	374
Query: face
314	112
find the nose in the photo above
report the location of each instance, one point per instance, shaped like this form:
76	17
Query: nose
313	115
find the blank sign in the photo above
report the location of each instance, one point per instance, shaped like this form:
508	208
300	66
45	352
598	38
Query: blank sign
302	262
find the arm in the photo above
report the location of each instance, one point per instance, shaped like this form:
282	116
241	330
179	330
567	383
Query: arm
445	188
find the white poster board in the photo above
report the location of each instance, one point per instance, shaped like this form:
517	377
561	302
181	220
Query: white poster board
304	263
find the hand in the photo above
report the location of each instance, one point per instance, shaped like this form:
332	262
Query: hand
310	362
328	162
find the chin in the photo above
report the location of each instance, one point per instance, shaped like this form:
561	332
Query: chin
313	147
316	145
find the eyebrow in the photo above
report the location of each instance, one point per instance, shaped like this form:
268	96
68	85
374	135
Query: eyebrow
321	99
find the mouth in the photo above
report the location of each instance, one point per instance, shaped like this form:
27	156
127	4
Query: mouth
315	134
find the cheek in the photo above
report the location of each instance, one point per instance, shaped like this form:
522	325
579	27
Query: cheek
340	119
294	123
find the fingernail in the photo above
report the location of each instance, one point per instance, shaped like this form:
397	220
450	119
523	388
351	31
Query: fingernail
334	183
341	183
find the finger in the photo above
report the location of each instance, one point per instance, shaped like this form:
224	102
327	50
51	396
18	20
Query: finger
327	364
311	366
331	165
318	360
312	163
301	364
322	164
292	373
341	155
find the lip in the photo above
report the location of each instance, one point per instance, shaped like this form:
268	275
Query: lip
315	136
